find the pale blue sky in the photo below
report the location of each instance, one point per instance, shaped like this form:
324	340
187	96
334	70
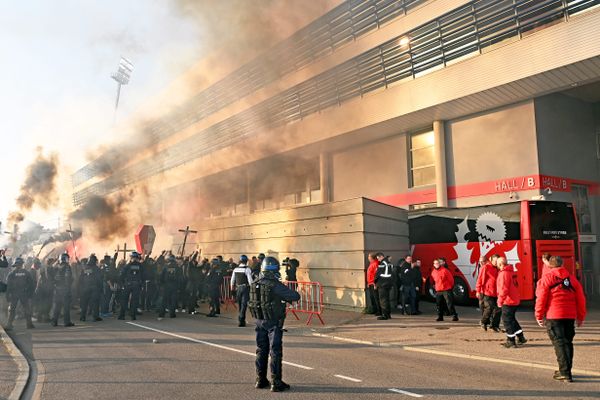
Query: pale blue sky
57	57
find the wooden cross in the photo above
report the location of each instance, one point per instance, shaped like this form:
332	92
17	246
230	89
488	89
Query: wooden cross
187	231
70	231
124	250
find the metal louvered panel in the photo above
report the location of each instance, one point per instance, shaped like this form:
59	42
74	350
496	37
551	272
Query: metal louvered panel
465	31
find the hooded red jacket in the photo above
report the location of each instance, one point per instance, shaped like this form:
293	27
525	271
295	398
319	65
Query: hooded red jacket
508	287
371	271
559	295
442	279
486	281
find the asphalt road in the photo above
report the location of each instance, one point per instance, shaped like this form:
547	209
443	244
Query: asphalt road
199	357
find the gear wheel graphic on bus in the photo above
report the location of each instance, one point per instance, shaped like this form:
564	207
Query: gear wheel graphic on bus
490	227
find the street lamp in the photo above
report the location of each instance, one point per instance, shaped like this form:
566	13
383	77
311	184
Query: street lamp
122	76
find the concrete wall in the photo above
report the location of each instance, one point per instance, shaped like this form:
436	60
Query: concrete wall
370	170
330	240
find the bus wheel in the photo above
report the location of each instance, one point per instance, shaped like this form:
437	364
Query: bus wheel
460	291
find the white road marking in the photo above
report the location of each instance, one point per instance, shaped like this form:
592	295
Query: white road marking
218	346
405	392
348	378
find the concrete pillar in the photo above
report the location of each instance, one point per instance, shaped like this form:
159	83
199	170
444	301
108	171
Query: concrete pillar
441	182
324	175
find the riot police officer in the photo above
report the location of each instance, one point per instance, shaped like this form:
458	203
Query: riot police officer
214	279
268	297
62	279
43	292
170	279
20	286
90	287
132	278
240	282
193	277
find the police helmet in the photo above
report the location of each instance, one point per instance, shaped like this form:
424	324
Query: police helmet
261	256
18	262
171	259
215	261
270	264
243	258
64	257
136	255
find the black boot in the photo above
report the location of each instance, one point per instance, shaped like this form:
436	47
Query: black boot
521	338
510	342
242	323
262	382
278	385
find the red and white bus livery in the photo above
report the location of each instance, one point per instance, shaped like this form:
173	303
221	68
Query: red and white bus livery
520	231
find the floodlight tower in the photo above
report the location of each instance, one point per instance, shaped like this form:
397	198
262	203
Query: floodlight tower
122	77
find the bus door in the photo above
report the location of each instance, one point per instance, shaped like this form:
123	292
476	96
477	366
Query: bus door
562	248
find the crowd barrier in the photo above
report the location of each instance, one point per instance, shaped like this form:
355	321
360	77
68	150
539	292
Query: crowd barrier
311	300
227	295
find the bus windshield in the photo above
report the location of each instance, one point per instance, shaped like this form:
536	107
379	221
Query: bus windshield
552	221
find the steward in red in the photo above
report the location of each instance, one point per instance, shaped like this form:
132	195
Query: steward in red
560	299
444	282
509	300
373	293
486	290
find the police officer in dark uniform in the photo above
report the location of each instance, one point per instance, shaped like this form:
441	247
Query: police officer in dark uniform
268	297
62	279
90	287
170	281
43	292
150	286
20	286
214	279
132	278
240	282
193	276
384	281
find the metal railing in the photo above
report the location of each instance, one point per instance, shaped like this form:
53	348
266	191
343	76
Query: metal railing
342	25
464	32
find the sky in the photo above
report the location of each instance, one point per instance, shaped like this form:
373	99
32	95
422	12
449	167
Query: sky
55	77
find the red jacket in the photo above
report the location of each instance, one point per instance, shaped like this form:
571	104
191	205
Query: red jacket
508	287
371	270
486	281
559	296
442	279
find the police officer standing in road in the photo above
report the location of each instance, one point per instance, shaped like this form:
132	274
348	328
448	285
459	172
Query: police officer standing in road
62	279
384	281
19	289
240	282
170	281
90	287
132	278
214	279
268	297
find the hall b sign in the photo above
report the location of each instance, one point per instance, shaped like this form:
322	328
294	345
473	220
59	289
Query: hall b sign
532	182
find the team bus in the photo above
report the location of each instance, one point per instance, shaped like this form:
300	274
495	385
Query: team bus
520	231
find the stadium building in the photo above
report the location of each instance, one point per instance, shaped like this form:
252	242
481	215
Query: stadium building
411	103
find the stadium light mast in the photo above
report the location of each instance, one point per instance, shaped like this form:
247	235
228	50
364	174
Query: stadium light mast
122	77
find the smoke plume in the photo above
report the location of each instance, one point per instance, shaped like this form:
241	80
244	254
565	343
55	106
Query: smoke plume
39	186
104	218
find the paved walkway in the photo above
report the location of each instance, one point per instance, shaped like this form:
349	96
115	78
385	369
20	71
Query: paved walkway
8	372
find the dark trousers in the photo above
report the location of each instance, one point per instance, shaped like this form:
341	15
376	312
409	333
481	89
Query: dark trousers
215	301
409	295
242	296
384	299
169	301
130	299
62	301
192	296
14	300
269	342
447	298
89	302
491	313
374	298
43	300
509	319
105	297
561	333
149	295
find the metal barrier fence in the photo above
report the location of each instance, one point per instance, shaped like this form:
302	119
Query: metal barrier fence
227	295
311	300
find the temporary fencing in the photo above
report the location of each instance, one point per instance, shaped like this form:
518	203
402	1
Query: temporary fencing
311	300
227	295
